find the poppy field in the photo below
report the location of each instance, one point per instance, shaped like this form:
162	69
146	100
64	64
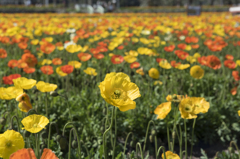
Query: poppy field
125	85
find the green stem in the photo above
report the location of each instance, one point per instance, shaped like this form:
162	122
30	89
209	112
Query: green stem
180	142
169	146
185	129
138	145
49	132
146	136
194	122
115	136
104	135
232	142
159	149
174	128
37	143
156	146
69	144
46	106
124	148
69	110
17	122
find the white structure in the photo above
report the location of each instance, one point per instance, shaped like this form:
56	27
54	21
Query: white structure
234	10
99	9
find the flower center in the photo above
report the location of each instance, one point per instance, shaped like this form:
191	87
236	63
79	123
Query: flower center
187	108
8	144
117	59
35	125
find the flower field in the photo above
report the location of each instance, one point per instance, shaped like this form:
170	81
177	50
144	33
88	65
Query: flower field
118	85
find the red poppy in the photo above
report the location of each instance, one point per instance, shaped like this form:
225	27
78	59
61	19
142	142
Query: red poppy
213	62
208	42
59	44
235	75
195	46
169	48
30	59
215	47
135	65
22	64
47	48
102	44
182	46
159	60
67	69
182	55
3	53
229	57
84	56
191	39
175	64
48	70
120	47
117	59
203	60
29	70
57	61
234	91
12	63
8	79
22	45
27	51
230	64
98	56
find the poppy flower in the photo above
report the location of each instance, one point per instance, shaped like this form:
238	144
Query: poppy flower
215	47
213	62
29	154
203	60
119	91
84	56
186	108
60	72
175	64
170	155
235	75
229	57
75	64
12	63
183	55
48	70
9	79
153	73
181	46
182	66
34	123
140	71
67	69
162	110
98	56
135	65
47	48
234	91
24	83
57	61
10	142
22	64
46	87
3	53
195	46
159	59
169	48
24	102
230	64
90	71
29	70
120	47
30	59
164	64
197	72
117	59
129	58
22	45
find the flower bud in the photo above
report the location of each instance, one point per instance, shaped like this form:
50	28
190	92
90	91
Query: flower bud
131	144
54	94
173	134
74	144
153	132
231	149
58	137
104	111
26	133
151	138
63	143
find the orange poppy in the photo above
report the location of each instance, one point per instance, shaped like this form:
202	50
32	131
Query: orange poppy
22	45
67	69
191	39
235	75
27	51
229	57
203	60
22	64
208	42
182	46
169	48
30	59
29	70
230	64
94	51
215	47
48	70
59	44
234	91
12	63
175	64
29	154
5	40
159	59
182	55
195	46
84	56
98	56
120	47
135	65
57	61
3	53
47	48
213	62
117	59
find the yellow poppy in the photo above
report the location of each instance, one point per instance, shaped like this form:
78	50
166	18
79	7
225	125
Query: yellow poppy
35	42
60	48
197	72
164	64
24	83
75	64
130	59
186	108
90	71
73	48
49	39
119	91
162	110
35	123
196	55
188	48
153	73
239	113
10	92
110	54
10	142
24	102
170	155
140	71
182	66
158	82
46	87
201	105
